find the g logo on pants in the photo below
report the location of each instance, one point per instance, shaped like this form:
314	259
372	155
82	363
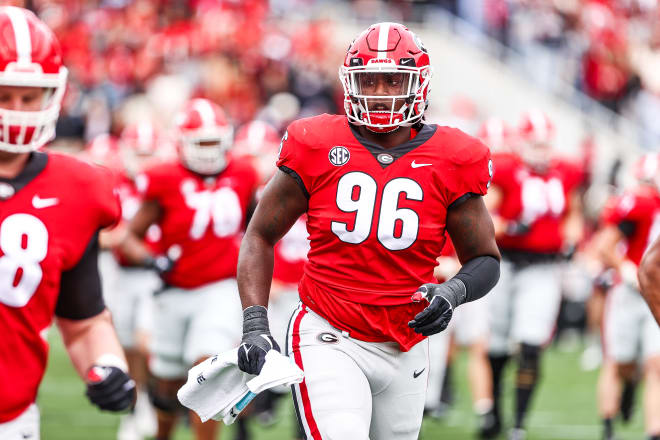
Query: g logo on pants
328	338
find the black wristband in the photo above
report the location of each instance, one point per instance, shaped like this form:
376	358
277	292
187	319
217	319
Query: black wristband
255	319
479	275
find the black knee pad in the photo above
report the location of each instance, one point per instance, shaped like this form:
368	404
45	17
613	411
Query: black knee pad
163	402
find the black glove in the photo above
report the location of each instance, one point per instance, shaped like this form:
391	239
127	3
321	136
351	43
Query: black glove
257	340
517	228
160	263
443	299
110	388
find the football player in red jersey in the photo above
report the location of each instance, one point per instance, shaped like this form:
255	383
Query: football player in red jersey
129	292
201	203
631	334
51	210
380	187
537	217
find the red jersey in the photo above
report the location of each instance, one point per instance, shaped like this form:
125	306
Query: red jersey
58	206
539	201
202	218
637	214
290	254
376	218
130	199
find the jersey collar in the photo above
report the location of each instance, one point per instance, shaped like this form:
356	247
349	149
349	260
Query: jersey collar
34	166
423	135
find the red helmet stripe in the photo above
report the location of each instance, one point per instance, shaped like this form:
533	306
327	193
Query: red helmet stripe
205	111
21	35
383	37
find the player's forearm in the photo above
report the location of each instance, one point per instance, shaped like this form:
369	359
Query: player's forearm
91	339
255	269
133	249
649	281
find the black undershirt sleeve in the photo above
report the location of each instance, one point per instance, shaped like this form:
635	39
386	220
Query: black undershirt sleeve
80	287
479	275
627	228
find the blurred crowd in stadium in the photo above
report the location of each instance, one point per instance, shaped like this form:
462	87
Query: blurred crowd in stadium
134	64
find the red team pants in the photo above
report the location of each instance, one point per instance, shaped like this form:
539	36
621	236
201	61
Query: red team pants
354	389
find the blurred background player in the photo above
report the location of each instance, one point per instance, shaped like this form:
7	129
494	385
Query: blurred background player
631	335
201	202
537	219
469	329
260	142
131	287
51	210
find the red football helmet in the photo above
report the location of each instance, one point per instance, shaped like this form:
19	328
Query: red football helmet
205	136
536	132
496	134
386	77
647	169
261	141
30	57
103	150
140	144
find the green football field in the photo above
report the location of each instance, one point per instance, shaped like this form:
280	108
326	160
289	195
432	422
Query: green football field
564	408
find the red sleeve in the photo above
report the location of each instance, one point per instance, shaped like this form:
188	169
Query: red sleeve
620	209
471	169
108	199
291	158
503	169
149	183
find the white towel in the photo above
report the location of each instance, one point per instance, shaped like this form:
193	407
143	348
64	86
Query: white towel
217	389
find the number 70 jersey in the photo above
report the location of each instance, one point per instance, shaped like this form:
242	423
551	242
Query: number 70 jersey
377	217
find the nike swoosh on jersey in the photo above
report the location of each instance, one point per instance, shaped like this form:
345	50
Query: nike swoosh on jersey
40	203
417	165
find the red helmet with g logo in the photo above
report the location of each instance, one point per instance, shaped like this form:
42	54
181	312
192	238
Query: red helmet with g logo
30	57
386	75
205	136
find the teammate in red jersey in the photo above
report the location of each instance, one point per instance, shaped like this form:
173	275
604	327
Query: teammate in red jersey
380	188
537	217
201	203
631	335
51	210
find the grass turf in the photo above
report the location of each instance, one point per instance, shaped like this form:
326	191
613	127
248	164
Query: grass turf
563	408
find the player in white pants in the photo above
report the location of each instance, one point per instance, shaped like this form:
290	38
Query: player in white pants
374	398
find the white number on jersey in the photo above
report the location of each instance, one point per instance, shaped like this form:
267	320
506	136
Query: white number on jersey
24	243
222	206
363	204
541	198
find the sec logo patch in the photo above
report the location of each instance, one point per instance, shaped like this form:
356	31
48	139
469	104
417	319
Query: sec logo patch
339	156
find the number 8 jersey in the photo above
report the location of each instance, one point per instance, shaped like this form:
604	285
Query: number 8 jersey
49	216
377	218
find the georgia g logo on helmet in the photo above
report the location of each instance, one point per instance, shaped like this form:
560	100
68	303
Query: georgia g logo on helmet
386	76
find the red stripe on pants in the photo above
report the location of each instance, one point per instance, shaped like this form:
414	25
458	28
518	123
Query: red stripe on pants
295	342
